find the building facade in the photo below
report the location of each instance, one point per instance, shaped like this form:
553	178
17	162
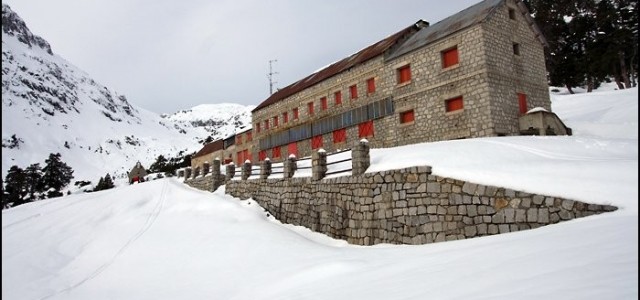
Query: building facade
470	75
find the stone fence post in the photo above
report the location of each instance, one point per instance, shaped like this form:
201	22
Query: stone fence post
196	172
265	168
187	173
205	169
181	173
318	164
360	157
230	171
290	166
246	170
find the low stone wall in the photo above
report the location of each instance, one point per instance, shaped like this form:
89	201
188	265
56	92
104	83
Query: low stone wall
406	206
205	183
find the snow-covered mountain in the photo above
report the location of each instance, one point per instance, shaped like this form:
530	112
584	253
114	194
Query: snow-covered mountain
50	106
214	120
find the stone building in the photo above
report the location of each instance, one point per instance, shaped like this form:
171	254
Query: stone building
205	156
473	74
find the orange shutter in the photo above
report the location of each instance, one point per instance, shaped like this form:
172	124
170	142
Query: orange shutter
454	104
407	116
292	148
338	97
450	57
522	102
365	129
316	142
404	74
340	135
371	85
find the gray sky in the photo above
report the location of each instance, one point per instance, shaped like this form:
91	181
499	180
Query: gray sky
171	55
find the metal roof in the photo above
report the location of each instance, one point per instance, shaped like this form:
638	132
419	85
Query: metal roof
342	65
210	148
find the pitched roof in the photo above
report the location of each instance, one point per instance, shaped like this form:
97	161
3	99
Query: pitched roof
210	148
465	18
342	65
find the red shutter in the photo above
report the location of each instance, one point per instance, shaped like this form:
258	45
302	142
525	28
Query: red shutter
285	117
407	116
323	103
262	155
293	149
371	85
246	155
295	113
404	74
522	102
310	108
238	139
365	129
454	104
338	97
340	135
266	124
258	127
450	57
275	152
239	158
275	121
353	90
316	142
249	136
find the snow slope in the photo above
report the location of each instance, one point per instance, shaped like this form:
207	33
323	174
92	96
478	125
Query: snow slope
165	240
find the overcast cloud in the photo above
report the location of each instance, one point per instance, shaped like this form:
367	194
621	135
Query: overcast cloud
171	55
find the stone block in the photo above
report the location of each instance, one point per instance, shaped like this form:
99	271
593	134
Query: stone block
433	187
504	228
543	215
469	188
509	215
532	215
567	204
470	231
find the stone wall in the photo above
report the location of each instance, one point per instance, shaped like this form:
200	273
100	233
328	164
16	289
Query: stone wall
406	206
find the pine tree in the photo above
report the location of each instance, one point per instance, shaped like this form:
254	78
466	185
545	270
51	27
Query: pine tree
15	186
159	165
108	182
34	182
57	175
100	185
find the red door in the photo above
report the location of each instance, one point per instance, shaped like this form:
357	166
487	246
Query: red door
522	102
293	149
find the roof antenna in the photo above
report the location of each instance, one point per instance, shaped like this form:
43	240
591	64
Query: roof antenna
270	76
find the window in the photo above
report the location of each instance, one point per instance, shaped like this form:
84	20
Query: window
262	155
238	139
246	155
407	117
338	97
258	127
310	108
239	158
516	48
316	142
371	86
295	113
522	103
275	121
340	136
323	103
404	74
454	104
512	14
266	124
275	152
450	57
293	149
249	136
353	91
285	117
365	129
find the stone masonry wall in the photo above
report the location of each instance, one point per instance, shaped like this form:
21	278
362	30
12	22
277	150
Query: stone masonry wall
406	206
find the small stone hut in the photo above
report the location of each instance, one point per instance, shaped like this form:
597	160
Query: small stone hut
137	173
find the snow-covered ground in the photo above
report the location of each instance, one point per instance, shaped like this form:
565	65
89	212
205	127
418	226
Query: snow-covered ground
164	240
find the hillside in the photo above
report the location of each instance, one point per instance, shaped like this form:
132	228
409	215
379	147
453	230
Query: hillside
164	240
